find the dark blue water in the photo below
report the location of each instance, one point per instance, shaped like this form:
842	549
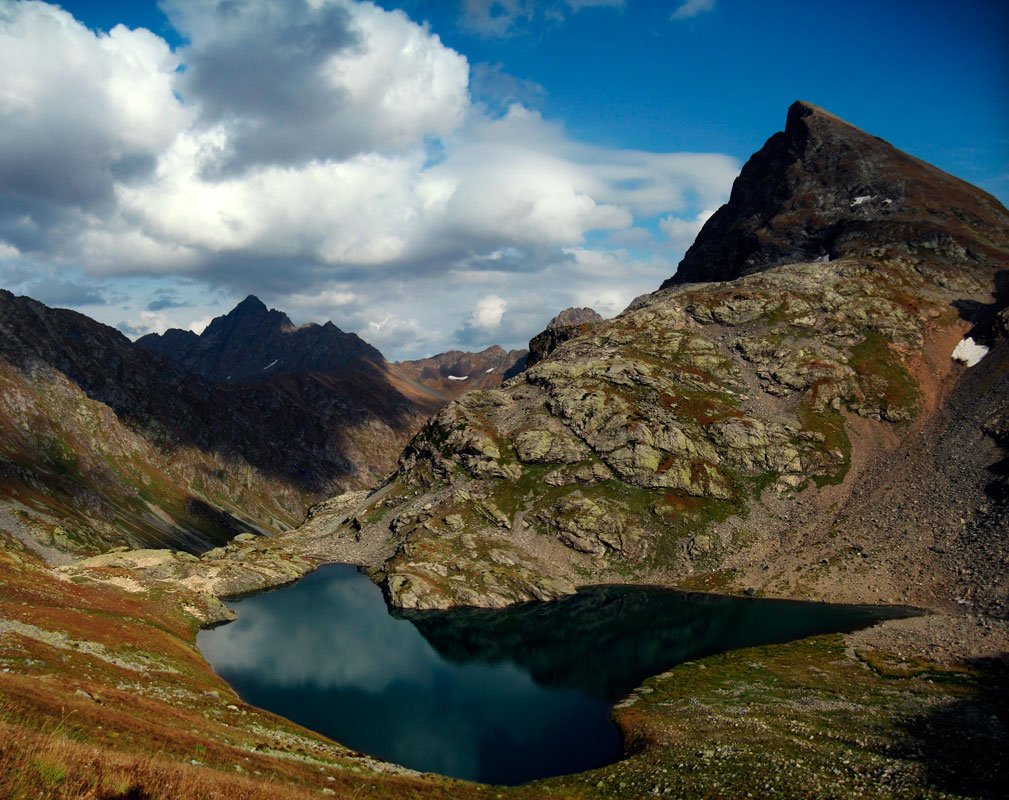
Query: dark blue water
496	696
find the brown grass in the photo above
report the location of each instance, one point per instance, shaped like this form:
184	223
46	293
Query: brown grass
48	764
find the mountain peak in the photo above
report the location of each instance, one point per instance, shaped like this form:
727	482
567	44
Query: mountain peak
248	319
253	342
251	303
823	188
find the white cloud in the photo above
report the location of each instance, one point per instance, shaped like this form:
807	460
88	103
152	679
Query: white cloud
333	164
682	232
488	312
200	325
329	299
79	113
148	322
512	182
347	77
393	334
691	8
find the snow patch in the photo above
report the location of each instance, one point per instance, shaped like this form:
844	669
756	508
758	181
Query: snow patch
457	378
862	200
270	364
969	352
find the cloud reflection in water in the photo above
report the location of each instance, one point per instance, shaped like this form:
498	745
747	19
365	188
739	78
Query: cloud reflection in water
501	696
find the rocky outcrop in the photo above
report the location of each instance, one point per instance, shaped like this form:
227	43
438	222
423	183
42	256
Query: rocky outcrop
247	564
824	189
714	434
569	323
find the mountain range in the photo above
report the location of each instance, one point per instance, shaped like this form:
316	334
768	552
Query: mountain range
186	440
814	406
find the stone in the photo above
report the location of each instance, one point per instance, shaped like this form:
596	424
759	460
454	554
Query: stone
245	538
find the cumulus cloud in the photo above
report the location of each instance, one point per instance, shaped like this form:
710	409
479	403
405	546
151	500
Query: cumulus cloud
682	232
347	77
483	325
395	334
509	186
145	322
691	8
333	157
488	312
80	113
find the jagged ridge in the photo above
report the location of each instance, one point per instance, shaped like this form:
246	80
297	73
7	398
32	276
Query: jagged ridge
114	444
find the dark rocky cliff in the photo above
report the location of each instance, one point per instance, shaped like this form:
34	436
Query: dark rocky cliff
571	322
825	189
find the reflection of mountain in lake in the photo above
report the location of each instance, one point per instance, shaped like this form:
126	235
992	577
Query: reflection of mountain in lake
606	639
500	696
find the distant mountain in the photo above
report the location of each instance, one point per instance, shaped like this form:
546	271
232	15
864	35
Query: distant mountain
455	372
252	342
105	442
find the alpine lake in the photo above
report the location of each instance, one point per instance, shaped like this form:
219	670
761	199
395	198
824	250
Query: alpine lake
496	696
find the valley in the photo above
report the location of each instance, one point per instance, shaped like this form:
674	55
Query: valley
783	418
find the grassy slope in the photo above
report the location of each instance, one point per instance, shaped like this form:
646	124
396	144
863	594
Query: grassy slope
104	695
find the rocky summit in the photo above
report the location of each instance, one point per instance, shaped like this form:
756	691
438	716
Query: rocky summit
822	189
792	426
569	323
253	342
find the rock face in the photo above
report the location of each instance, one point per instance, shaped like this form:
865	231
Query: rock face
728	435
456	372
823	188
255	343
569	323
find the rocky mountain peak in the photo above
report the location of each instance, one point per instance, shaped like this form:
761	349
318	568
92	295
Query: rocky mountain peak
250	306
253	342
823	189
248	319
574	316
567	324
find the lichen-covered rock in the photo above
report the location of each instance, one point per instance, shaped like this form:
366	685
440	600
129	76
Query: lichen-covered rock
639	446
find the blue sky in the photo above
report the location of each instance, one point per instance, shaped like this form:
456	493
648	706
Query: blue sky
437	174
